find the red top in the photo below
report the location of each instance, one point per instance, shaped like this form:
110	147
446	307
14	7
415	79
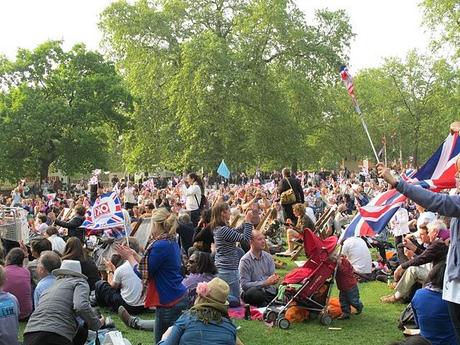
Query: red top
345	276
18	283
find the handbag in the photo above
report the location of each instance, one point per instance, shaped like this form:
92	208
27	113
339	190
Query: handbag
288	196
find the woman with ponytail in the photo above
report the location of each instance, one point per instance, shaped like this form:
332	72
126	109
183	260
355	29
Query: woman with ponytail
160	269
193	189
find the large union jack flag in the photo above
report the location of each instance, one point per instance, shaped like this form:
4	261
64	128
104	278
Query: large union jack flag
437	173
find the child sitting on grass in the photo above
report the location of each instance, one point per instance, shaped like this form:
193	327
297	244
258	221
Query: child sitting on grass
348	287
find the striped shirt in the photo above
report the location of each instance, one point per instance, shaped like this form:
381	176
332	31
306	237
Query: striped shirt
225	239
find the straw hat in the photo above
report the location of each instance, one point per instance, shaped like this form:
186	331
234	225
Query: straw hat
215	291
70	268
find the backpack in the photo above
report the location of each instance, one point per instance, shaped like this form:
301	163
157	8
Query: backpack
407	318
203	204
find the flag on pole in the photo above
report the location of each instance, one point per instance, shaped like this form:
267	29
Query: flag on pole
223	170
348	81
105	213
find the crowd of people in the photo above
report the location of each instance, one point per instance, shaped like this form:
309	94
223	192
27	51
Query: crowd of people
210	248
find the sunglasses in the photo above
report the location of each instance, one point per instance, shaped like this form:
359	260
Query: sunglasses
192	262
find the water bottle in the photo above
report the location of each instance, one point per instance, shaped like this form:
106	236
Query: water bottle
247	312
389	281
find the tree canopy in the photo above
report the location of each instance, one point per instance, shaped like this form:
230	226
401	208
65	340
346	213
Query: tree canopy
233	79
62	108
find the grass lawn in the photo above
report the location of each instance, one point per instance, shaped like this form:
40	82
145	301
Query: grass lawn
376	325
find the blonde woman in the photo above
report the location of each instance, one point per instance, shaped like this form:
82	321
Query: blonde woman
161	268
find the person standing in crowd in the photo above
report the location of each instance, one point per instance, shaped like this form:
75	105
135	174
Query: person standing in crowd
9	314
54	321
193	190
285	184
228	256
400	227
257	273
348	287
129	196
161	269
444	205
73	225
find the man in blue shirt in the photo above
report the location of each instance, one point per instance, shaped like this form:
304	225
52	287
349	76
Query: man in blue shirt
47	262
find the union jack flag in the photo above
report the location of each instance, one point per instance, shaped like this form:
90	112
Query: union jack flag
347	80
105	213
436	174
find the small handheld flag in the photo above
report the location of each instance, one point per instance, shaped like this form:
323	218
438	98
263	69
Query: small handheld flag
105	213
223	170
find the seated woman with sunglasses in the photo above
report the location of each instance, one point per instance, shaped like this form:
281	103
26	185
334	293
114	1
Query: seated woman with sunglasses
200	268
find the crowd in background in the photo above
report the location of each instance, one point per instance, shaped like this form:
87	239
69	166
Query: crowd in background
205	231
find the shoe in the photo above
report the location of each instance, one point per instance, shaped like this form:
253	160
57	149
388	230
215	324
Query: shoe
109	322
127	319
389	299
286	253
344	317
359	311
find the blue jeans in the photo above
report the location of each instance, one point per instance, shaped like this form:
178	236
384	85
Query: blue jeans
165	317
350	297
232	278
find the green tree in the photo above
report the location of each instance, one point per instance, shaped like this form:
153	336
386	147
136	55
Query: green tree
229	79
443	17
60	108
409	102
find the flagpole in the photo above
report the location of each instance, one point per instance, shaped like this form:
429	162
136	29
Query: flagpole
358	110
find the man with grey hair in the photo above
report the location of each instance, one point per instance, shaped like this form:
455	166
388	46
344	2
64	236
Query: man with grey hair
185	230
47	262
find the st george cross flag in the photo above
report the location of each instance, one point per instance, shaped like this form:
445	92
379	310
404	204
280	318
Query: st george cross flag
223	170
436	174
105	213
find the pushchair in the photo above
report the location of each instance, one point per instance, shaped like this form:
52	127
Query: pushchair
307	287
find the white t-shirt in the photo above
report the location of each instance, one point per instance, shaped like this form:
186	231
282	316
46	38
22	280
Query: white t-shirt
400	221
192	197
57	243
130	285
129	195
358	254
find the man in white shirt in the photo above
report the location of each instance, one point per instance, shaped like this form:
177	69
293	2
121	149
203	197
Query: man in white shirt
121	276
57	243
357	252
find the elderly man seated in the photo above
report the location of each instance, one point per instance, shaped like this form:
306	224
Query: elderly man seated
257	273
417	269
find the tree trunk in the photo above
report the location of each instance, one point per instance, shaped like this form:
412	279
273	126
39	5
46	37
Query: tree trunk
44	167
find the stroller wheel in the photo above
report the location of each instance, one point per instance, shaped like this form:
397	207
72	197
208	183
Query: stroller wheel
270	316
283	323
325	319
